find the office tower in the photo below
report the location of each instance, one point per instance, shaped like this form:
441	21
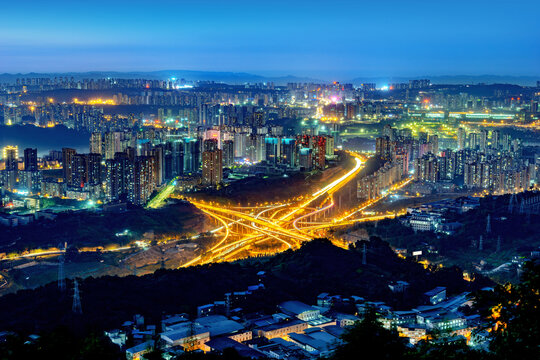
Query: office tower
495	139
388	132
228	153
329	146
30	181
30	159
288	151
10	154
426	168
240	145
212	167
191	155
112	144
79	171
156	155
434	141
319	151
67	158
94	168
143	179
96	143
272	150
177	151
119	178
260	148
382	147
461	137
483	140
304	159
473	141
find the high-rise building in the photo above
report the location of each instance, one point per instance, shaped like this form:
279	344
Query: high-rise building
79	171
461	138
288	152
212	167
10	154
319	151
434	141
495	139
228	153
304	159
67	169
483	140
191	155
119	178
94	168
96	143
143	179
30	159
272	150
473	141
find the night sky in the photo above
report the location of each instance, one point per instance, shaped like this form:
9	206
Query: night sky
316	38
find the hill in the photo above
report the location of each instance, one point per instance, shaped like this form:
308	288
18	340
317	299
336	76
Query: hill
316	267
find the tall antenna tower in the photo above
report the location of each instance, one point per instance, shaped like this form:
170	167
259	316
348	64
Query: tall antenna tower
511	203
61	274
76	308
481	243
364	262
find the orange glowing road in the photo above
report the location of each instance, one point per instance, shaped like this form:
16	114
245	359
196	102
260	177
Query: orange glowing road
245	227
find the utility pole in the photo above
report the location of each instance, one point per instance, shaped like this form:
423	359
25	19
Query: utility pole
76	308
61	274
364	261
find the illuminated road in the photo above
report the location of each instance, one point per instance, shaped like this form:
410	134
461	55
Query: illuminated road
242	230
298	222
163	195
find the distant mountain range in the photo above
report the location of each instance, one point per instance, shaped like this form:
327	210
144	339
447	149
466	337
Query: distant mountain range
242	77
189	75
454	79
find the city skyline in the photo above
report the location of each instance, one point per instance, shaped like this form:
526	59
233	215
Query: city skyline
341	41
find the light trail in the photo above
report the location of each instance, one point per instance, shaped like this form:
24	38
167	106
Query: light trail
265	223
330	188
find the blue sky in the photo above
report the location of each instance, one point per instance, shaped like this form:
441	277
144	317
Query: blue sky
316	38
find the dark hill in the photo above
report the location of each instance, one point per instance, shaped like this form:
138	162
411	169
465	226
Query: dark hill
317	267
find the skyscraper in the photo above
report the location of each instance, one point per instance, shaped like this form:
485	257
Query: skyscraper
228	153
191	155
461	137
94	168
96	143
67	170
30	159
10	154
143	179
212	167
79	171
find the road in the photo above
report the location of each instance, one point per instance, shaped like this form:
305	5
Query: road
279	226
245	228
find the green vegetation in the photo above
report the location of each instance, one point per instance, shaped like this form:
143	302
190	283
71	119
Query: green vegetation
518	234
317	267
90	228
512	311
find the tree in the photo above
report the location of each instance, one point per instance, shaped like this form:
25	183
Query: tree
368	339
515	317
